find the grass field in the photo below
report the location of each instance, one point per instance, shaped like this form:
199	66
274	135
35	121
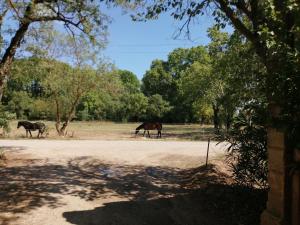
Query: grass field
114	131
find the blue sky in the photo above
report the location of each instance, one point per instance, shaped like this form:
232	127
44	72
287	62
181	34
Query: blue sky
134	45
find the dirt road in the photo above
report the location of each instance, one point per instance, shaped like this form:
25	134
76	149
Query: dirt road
54	182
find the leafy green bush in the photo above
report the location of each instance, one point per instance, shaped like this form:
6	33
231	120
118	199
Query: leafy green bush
20	103
4	120
41	110
83	115
247	151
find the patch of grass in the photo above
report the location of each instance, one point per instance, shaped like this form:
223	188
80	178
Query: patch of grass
117	131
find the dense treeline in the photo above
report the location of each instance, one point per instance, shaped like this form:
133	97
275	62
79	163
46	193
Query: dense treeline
107	93
223	83
207	84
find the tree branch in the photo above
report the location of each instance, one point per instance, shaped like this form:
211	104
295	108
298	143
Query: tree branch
236	21
241	5
11	4
2	16
58	18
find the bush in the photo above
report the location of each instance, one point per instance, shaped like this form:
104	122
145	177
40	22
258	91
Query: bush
4	120
247	151
41	110
83	115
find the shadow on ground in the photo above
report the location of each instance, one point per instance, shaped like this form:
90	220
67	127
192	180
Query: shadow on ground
214	205
156	195
12	148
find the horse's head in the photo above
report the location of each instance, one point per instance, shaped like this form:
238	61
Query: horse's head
19	124
136	131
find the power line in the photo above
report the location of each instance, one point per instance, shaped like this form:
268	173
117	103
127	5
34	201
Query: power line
150	45
166	52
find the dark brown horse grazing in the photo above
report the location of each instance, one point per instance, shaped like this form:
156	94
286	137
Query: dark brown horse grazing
150	126
41	127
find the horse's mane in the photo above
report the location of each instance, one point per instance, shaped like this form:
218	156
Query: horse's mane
24	122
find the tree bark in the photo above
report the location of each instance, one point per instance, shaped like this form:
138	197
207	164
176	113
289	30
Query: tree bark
57	124
62	130
216	110
7	59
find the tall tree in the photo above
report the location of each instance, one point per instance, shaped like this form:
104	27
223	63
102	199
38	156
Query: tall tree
76	16
166	79
130	81
273	28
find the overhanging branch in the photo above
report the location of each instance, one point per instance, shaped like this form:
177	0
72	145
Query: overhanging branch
236	21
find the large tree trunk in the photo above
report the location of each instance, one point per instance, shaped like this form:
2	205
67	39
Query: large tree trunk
58	118
280	148
280	153
229	116
62	130
216	118
9	54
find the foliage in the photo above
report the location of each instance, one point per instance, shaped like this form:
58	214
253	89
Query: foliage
157	80
157	107
29	20
167	78
129	80
272	27
5	116
102	103
133	107
247	151
20	103
273	31
41	109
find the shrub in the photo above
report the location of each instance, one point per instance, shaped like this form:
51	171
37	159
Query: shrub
247	151
4	120
41	109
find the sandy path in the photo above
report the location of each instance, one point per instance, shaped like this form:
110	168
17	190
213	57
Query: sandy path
53	182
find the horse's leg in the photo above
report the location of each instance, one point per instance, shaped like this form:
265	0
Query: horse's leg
144	133
148	134
160	133
38	136
30	133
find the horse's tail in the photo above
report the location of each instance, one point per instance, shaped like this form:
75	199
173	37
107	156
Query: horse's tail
44	128
41	126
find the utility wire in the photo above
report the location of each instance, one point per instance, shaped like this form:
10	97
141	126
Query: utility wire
166	52
149	45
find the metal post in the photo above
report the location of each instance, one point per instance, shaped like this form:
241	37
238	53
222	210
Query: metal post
207	152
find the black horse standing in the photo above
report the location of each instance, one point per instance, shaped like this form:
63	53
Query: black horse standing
41	127
150	126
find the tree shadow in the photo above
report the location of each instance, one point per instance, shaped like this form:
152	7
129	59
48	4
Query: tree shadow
150	190
213	205
12	148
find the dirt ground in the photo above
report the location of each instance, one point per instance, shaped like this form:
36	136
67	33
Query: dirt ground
90	182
